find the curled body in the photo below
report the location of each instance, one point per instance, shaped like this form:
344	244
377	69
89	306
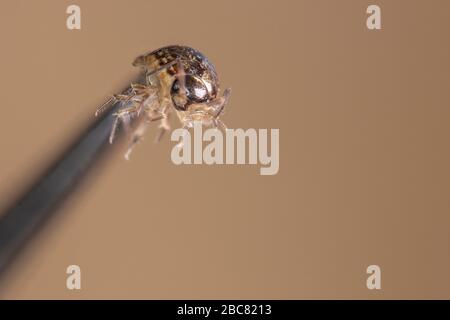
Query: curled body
178	79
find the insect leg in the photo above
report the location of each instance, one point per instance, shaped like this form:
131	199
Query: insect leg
154	118
136	138
123	118
180	76
163	126
218	104
187	125
149	100
163	67
219	124
113	99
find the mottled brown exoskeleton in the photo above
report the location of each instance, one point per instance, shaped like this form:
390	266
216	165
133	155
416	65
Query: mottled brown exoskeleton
177	79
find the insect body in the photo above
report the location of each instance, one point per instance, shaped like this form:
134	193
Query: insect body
177	79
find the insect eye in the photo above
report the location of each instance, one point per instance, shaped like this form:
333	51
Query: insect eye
196	92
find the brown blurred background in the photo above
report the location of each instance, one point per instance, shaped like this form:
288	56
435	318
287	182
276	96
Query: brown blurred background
364	153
